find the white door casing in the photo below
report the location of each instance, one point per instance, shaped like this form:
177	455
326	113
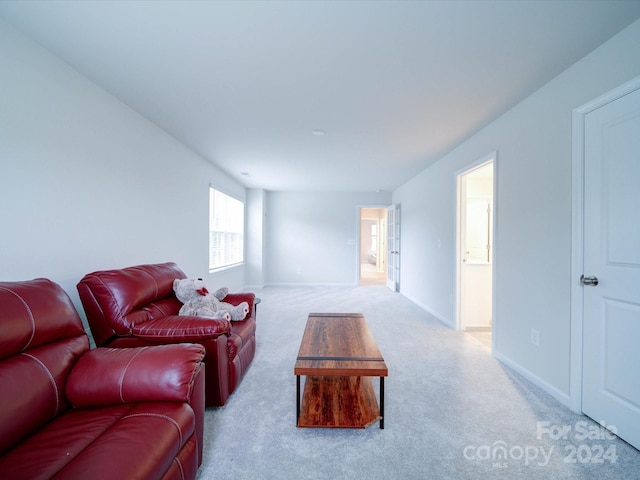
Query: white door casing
606	307
393	247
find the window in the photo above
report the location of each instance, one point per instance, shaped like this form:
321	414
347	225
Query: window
226	230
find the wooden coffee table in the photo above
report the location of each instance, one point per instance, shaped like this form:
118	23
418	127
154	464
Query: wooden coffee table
338	355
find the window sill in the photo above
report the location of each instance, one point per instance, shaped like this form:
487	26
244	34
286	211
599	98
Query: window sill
226	267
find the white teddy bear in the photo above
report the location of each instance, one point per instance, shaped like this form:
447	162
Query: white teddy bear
199	302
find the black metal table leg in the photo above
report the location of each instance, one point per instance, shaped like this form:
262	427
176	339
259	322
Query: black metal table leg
297	399
382	402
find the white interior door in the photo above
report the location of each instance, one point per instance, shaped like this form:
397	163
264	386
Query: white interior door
611	292
393	247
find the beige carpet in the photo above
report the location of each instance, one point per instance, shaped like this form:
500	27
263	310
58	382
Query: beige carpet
452	411
483	336
369	275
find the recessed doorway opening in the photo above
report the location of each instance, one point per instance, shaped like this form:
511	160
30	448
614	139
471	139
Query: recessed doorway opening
373	246
475	250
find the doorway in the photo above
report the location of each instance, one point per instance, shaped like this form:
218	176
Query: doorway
475	250
373	246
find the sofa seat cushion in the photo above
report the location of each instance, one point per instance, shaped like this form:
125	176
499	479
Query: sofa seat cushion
134	440
178	329
241	333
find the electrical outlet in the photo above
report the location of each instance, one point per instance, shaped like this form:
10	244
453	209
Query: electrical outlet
535	337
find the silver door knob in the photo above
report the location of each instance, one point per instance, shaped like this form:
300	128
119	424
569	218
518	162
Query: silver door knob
588	281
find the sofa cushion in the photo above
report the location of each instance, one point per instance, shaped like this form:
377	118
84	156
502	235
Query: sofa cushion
175	328
134	441
109	376
40	313
124	292
41	339
34	382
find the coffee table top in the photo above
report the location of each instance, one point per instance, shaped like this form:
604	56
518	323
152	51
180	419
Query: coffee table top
339	344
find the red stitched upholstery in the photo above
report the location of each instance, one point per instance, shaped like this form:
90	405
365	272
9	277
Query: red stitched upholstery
133	399
136	306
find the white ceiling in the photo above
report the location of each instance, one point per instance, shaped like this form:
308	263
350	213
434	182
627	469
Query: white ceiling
395	84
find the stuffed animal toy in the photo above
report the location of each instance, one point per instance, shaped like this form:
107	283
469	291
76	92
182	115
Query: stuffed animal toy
197	301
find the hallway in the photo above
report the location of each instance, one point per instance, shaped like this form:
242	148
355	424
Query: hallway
369	275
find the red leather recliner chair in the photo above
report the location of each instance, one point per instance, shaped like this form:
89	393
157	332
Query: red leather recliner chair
68	412
137	306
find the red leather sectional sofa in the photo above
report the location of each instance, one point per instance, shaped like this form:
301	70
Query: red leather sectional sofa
136	306
68	412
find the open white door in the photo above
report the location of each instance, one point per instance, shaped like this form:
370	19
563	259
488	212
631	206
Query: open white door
475	246
393	247
611	293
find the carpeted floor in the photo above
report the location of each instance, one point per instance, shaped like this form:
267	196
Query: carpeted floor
452	410
369	275
483	336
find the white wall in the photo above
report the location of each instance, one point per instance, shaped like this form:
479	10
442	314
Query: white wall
256	199
86	183
533	222
312	237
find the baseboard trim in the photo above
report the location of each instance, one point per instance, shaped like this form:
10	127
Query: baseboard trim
562	397
431	312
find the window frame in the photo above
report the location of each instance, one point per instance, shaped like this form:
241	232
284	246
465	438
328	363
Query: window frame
226	226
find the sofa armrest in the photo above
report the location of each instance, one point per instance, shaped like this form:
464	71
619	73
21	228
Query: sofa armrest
180	329
238	298
111	376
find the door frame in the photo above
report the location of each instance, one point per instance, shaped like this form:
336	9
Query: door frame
358	240
493	156
577	234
